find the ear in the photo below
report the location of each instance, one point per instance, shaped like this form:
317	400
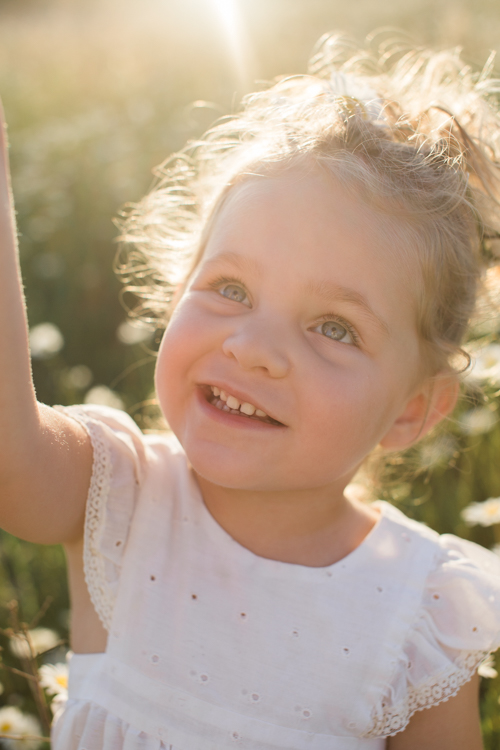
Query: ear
434	400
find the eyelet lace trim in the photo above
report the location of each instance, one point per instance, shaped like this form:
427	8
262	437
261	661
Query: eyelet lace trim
440	688
101	594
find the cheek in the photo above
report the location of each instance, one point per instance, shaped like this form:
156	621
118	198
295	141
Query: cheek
165	380
185	343
349	411
172	365
335	433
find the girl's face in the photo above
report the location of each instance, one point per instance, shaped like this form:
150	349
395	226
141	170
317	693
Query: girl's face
302	309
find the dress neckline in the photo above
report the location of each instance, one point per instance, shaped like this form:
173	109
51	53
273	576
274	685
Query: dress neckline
223	540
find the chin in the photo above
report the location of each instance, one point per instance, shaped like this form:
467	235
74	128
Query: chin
245	475
236	475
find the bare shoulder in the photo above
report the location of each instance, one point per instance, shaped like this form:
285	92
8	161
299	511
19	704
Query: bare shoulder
452	725
45	481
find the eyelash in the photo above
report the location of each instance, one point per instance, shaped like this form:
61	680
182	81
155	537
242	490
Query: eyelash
219	282
222	281
343	322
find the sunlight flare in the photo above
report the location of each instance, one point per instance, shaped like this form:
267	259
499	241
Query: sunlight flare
229	15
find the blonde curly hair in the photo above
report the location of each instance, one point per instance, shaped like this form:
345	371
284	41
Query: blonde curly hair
413	132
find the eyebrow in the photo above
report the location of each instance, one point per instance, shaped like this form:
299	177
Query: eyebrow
326	291
239	261
330	292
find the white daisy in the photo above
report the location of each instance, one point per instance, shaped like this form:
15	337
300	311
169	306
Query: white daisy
13	721
440	450
104	396
483	514
486	364
54	678
487	668
130	332
42	639
477	421
46	340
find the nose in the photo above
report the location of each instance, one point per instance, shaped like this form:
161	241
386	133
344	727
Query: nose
257	344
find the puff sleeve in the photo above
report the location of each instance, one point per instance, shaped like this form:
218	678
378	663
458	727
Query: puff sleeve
457	626
119	461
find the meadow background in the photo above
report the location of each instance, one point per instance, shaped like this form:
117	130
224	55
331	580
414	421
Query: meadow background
98	92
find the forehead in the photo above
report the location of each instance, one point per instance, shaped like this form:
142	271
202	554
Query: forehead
309	223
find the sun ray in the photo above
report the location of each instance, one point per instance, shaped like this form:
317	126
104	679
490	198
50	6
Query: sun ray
236	38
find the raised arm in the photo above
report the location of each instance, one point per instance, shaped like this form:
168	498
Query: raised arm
45	457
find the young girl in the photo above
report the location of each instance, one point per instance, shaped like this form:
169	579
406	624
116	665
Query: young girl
320	257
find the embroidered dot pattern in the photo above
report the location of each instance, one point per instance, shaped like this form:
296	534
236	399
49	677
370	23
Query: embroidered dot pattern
255	697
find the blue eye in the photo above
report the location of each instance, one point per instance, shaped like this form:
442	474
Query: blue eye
334	330
233	292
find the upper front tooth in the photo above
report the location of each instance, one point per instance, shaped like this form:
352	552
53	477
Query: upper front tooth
260	413
223	395
248	409
232	402
215	390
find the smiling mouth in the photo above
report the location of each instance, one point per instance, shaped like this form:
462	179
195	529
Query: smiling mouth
227	402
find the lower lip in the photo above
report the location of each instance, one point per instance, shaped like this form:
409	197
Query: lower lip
231	420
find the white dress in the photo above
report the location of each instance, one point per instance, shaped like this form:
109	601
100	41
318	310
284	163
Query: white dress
212	647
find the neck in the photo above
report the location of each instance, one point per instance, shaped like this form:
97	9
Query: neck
316	527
